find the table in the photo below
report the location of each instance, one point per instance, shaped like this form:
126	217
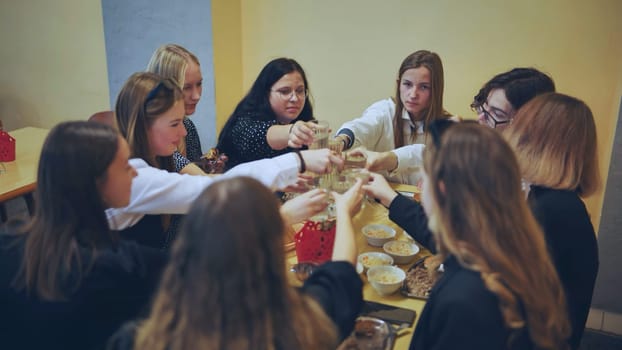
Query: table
376	213
20	175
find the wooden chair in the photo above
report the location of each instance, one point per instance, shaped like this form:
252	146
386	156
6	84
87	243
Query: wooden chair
104	117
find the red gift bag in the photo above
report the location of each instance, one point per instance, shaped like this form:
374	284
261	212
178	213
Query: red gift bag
7	147
314	241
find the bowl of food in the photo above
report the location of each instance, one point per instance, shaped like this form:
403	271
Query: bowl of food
386	279
378	234
371	259
402	252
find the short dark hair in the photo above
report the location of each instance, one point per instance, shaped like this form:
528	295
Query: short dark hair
520	86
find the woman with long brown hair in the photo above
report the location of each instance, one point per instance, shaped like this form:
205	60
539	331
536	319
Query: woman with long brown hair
66	281
554	138
499	289
226	285
392	131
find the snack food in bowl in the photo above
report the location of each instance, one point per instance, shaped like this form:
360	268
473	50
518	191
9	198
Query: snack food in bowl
402	252
385	279
378	234
371	259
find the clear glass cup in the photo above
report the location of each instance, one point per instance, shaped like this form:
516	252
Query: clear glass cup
321	130
355	160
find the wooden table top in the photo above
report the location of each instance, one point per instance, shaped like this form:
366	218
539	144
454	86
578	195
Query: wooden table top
375	213
20	175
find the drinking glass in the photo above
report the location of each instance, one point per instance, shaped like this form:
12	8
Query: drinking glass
321	129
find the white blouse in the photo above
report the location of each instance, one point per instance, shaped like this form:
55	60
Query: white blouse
157	191
374	131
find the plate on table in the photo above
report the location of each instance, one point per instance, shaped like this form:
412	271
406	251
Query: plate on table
418	282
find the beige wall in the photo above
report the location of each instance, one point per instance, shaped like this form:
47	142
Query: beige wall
226	15
351	50
53	63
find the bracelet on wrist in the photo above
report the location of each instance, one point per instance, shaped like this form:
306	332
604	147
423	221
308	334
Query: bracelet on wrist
303	166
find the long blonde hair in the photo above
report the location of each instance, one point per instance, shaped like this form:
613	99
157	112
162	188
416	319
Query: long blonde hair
554	137
431	61
171	61
481	218
225	286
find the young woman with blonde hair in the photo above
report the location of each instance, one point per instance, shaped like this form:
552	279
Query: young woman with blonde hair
499	289
177	63
554	138
226	286
392	130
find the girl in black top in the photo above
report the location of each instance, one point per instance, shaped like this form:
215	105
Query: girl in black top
500	289
273	118
67	282
226	287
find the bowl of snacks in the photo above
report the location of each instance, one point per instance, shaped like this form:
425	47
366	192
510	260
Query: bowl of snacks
378	234
402	252
386	279
371	259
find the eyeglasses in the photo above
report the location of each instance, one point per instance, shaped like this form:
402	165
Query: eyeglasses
490	118
287	94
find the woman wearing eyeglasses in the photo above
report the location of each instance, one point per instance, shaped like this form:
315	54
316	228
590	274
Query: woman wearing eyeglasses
150	113
273	118
392	130
503	95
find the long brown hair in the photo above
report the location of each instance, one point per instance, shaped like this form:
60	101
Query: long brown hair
432	62
69	211
225	286
482	218
554	137
142	99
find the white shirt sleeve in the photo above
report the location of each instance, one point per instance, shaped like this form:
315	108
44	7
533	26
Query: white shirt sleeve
373	125
156	191
409	158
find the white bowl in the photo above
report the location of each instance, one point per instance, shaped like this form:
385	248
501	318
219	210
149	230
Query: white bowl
378	234
371	259
402	252
386	280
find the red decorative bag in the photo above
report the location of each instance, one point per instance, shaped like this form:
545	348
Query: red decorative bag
314	241
7	147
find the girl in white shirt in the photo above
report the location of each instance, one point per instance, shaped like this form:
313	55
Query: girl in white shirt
391	131
149	114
